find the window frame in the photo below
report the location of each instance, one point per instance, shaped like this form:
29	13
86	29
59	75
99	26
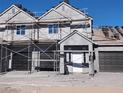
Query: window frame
53	28
20	30
13	11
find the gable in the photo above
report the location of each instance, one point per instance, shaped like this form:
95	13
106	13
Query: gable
18	15
8	13
70	12
76	38
21	17
53	15
66	11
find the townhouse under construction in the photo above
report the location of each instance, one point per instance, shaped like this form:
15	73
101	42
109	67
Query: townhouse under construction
62	39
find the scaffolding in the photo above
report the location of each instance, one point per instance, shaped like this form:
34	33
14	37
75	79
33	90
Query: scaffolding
32	42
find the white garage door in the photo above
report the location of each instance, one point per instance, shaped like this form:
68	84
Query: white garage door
77	60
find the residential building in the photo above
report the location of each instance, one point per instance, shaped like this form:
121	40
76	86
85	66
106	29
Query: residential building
62	39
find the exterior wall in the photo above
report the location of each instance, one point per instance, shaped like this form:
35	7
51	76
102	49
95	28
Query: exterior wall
64	31
86	31
111	48
10	35
44	33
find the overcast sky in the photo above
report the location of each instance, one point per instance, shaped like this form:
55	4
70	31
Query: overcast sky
104	12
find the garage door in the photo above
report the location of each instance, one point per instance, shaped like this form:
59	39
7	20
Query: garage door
111	61
20	63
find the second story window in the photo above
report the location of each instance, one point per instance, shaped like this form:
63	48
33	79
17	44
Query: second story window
13	11
20	30
53	29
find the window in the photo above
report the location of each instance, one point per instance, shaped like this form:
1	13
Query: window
21	30
76	47
63	8
13	11
53	28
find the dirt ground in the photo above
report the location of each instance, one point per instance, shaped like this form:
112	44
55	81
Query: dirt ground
51	82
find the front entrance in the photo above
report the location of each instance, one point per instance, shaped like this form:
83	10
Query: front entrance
77	60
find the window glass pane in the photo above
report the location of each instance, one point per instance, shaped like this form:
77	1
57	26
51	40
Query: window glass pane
13	11
55	28
18	30
50	29
23	30
18	27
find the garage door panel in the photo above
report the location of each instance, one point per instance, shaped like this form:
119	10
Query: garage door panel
20	62
111	61
111	69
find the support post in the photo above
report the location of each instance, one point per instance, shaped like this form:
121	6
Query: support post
30	56
91	64
54	60
1	55
6	60
35	60
10	61
62	64
91	58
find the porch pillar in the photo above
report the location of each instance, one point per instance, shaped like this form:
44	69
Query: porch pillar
91	60
62	70
35	59
10	61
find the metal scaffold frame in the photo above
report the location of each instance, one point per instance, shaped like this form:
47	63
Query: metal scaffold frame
31	43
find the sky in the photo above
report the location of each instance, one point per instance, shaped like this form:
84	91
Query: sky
104	12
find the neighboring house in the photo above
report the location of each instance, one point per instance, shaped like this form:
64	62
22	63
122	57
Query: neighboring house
62	39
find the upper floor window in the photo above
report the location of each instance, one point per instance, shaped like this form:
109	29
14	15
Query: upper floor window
21	30
53	28
13	11
63	8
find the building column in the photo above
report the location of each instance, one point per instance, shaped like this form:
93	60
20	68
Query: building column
10	61
62	68
35	59
91	60
96	62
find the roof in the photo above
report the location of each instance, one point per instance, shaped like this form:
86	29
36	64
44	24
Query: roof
108	35
24	9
